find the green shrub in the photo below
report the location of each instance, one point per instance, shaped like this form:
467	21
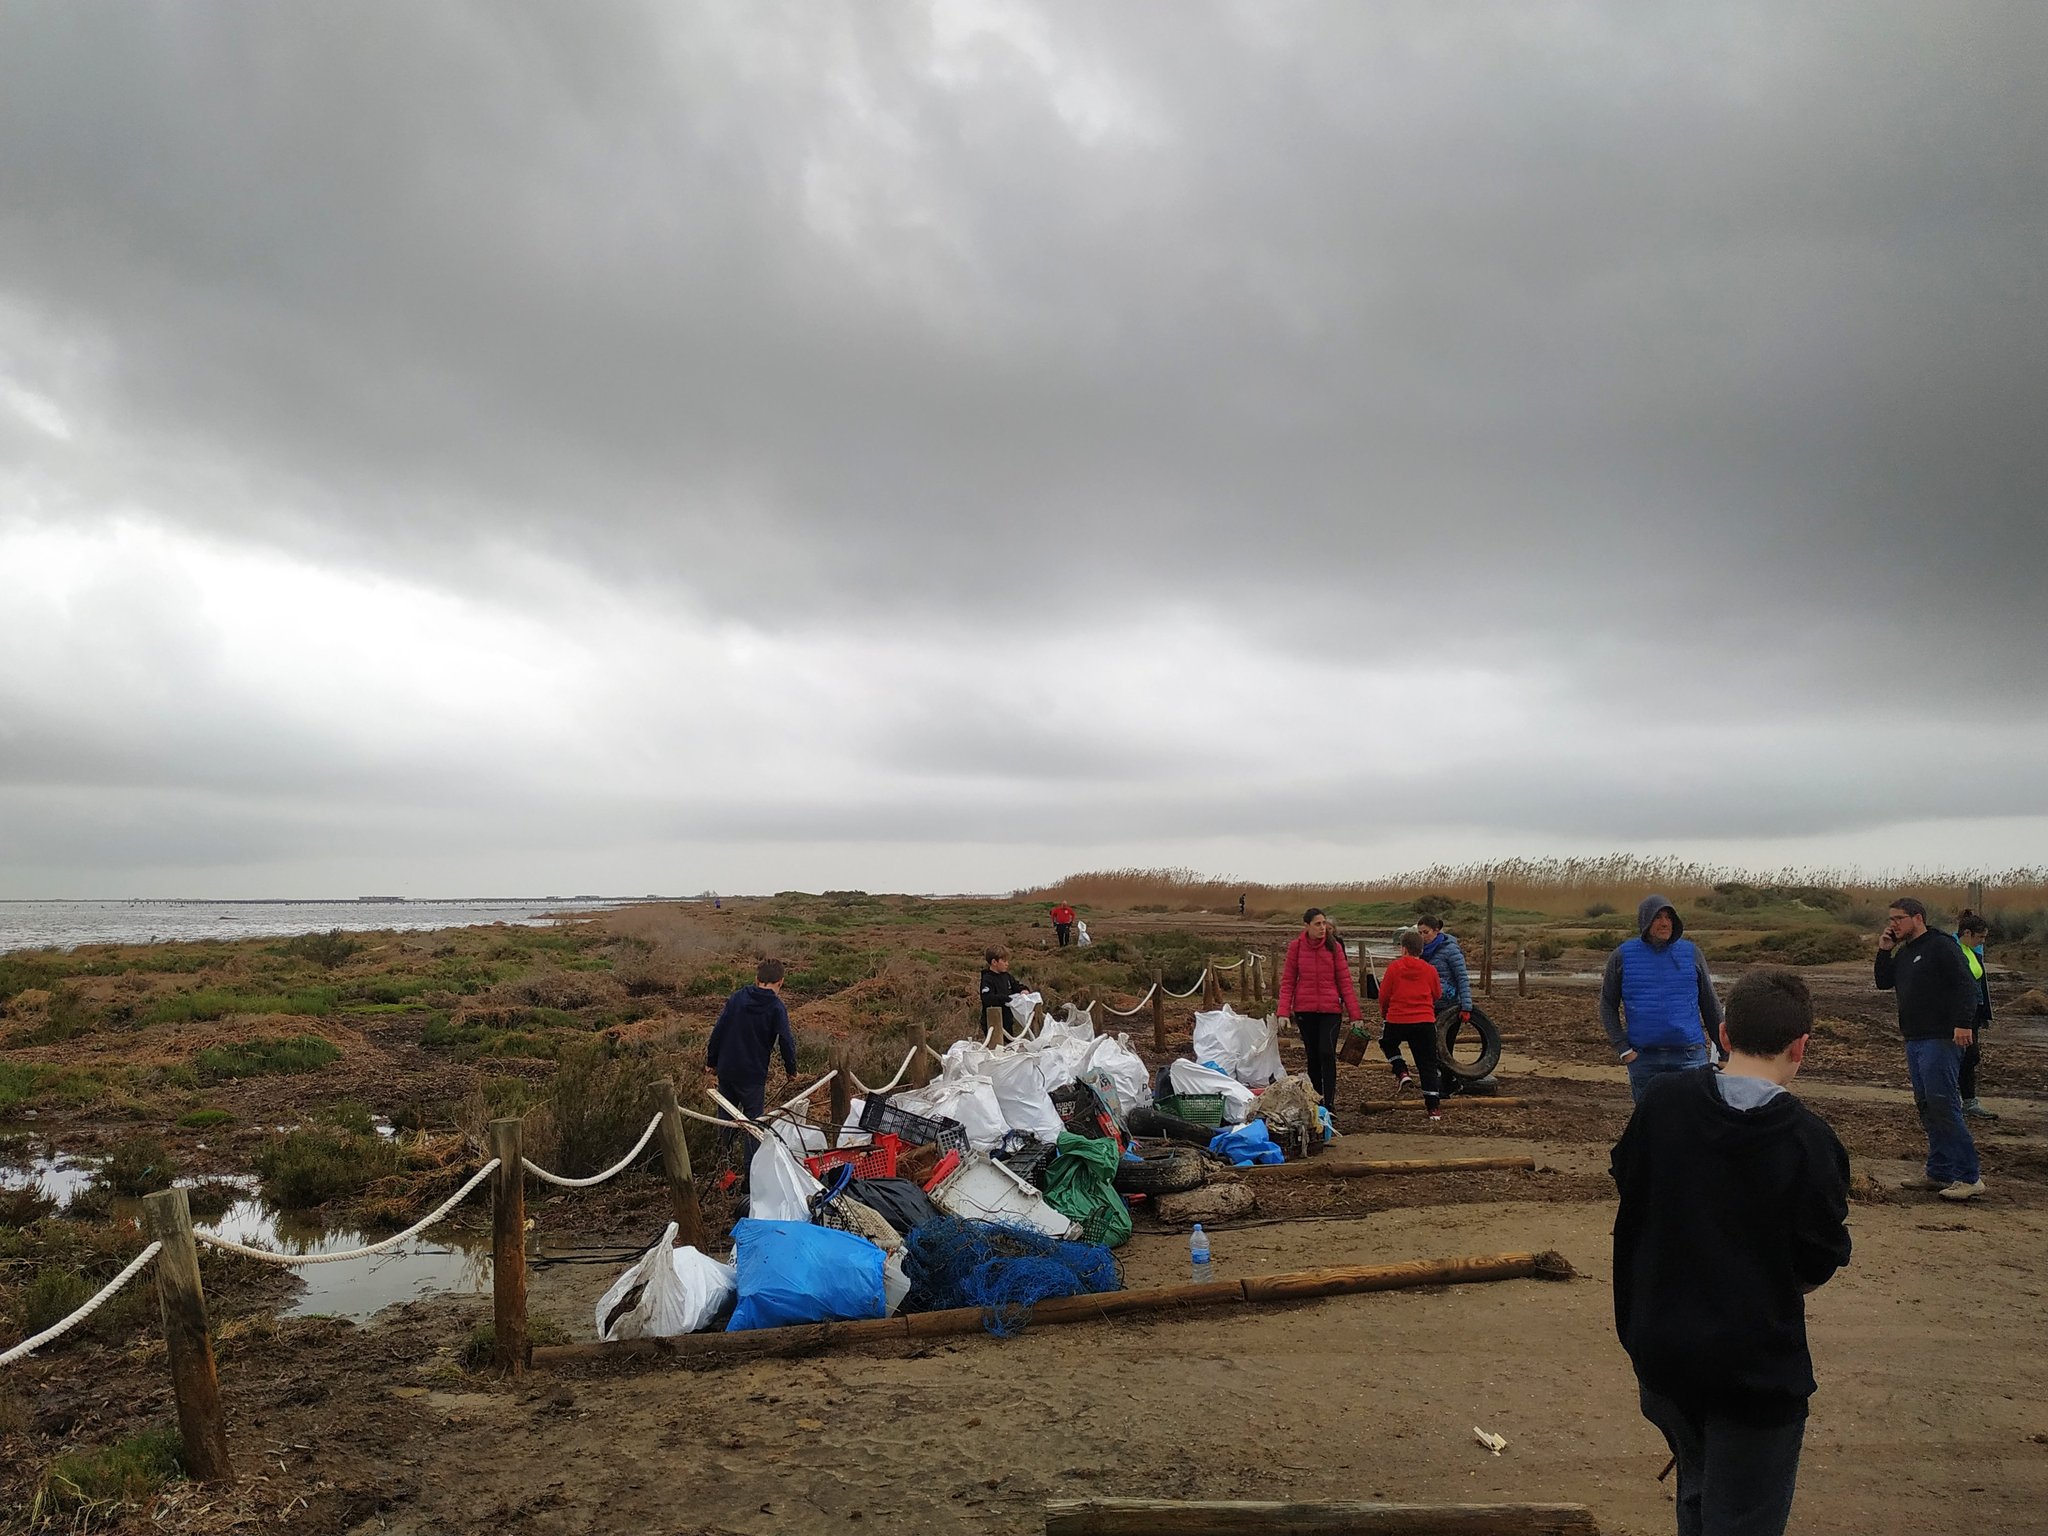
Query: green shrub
19	1207
80	1485
28	1082
1602	941
207	1003
1600	909
66	1018
1549	947
205	1119
264	1057
141	1165
326	950
1811	946
311	1167
348	1115
482	1343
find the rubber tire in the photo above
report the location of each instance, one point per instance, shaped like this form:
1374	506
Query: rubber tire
1448	1026
1147	1121
1168	1172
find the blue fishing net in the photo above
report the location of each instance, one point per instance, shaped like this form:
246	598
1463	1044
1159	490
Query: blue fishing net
1000	1268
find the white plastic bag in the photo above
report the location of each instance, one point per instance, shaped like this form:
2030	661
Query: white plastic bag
970	1100
1192	1077
801	1139
1021	1092
895	1283
1247	1048
680	1291
964	1059
779	1188
1114	1056
1081	933
1022	1006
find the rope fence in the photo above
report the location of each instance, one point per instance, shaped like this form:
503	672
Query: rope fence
300	1260
57	1330
561	1181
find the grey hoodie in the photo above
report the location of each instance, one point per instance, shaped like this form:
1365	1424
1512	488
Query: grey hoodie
1610	980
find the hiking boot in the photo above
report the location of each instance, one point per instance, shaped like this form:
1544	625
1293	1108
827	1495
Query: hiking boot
1961	1191
1976	1111
1924	1182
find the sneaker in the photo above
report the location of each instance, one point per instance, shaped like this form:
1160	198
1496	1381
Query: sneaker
1403	1083
1924	1182
1977	1111
1437	1114
1961	1191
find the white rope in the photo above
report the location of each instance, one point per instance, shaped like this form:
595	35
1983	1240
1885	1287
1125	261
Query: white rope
740	1120
58	1330
730	1125
1137	1007
792	1103
562	1182
1191	991
908	1057
1218	965
297	1260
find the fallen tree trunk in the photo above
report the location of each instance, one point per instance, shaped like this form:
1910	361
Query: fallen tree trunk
1242	1517
1332	1168
809	1338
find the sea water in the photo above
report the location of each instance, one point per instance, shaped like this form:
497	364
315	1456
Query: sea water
67	924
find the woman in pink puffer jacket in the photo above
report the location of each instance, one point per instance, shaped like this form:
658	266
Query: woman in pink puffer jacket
1316	992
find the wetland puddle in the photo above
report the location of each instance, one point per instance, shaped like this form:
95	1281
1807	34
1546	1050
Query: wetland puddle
451	1262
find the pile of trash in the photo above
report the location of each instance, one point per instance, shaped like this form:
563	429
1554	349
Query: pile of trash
1002	1182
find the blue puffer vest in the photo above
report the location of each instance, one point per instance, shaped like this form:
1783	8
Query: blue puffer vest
1660	994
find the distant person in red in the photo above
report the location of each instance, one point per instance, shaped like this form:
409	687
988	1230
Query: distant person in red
1409	989
1063	924
1316	992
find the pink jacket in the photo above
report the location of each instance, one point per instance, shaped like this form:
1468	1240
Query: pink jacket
1316	978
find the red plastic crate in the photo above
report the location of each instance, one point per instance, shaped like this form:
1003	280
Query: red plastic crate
873	1162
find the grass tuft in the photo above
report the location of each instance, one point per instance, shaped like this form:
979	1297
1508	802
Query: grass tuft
264	1057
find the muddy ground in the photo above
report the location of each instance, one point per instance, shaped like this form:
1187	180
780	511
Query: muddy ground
1930	1350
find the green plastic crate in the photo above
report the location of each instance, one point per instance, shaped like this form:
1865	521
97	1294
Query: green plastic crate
1198	1108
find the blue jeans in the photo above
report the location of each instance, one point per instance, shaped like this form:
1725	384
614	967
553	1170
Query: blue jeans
1933	1065
1659	1059
1734	1479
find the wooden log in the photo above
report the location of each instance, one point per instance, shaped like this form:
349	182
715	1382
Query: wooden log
808	1338
1388	1106
1486	952
1332	1168
1158	1009
202	1420
1521	971
1249	1517
675	1165
841	1090
508	1249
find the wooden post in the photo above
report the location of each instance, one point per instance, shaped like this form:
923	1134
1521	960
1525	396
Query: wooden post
841	1090
1271	975
202	1423
921	1063
1977	897
1212	985
675	1163
1486	957
1521	970
1158	1009
508	1248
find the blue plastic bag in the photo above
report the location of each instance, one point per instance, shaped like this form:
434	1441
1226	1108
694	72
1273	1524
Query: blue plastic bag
1245	1144
793	1272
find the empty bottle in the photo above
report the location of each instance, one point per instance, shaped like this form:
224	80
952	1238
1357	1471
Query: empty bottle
1198	1252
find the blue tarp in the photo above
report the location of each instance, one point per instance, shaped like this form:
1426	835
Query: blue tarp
1248	1143
793	1272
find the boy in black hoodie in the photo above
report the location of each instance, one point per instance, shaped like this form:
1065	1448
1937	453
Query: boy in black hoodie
1734	1204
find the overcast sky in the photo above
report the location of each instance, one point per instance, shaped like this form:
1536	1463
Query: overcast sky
454	448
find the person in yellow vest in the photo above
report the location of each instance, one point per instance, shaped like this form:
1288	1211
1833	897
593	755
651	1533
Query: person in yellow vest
1971	931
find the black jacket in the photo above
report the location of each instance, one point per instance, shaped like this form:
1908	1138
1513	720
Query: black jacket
1937	993
998	987
1727	1217
743	1041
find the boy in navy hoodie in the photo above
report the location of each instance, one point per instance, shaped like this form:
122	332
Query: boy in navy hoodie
1734	1204
751	1025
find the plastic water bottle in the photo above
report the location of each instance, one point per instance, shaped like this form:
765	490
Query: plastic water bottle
1198	1253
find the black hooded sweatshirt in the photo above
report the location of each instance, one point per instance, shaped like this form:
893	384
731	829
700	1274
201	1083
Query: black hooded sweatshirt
1727	1217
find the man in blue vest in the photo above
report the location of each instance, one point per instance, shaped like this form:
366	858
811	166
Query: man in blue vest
1657	1002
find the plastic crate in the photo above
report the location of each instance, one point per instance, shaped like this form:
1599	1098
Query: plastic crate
881	1117
872	1162
1196	1108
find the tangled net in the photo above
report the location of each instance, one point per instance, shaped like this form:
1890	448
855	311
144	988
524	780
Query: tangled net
1002	1269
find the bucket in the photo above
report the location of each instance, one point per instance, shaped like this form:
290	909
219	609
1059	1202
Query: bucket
982	1190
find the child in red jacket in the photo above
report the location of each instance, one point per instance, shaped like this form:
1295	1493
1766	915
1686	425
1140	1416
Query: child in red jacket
1408	993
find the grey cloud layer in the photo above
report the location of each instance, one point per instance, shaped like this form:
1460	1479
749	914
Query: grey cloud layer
1623	347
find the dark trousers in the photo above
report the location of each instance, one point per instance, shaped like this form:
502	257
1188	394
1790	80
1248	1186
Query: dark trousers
1421	1042
1063	932
1734	1479
1966	1073
751	1097
1319	1039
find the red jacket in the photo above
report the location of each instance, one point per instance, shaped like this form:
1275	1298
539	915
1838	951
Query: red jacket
1409	988
1316	978
1063	913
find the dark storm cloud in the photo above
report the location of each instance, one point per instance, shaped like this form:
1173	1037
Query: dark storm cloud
1682	363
